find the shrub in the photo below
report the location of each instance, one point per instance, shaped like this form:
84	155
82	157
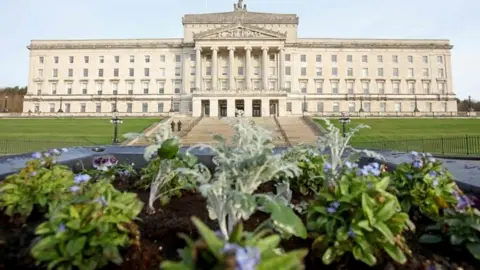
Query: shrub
357	215
107	167
41	183
241	251
88	231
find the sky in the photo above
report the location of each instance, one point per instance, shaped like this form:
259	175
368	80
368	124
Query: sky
458	21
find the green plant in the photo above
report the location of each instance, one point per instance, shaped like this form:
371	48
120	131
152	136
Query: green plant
88	231
357	215
40	184
107	167
424	184
242	250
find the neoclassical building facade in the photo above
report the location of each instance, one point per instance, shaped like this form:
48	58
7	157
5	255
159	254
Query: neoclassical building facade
240	60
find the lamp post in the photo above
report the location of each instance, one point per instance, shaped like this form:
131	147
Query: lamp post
361	104
171	104
61	103
470	104
304	107
416	106
5	107
116	105
345	119
115	121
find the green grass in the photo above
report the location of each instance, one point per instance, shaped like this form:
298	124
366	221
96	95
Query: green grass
23	135
446	136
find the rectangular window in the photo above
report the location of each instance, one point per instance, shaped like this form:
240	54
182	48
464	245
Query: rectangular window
55	73
224	70
351	107
336	107
86	59
440	59
319	106
54	88
256	70
56	59
162	72
318	71
364	59
334	88
99	88
429	107
395	58
380	72
115	72
349	58
303	58
160	107
288	71
147	58
240	71
176	106
396	87
425	72
178	58
303	71
287	57
318	58
146	72
98	108
67	107
69	88
381	87
101	59
41	59
334	71
395	72
350	72
426	87
350	88
379	59
272	57
383	107
162	58
132	59
334	58
131	72
100	72
40	73
177	71
84	88
115	88
71	59
52	107
425	59
161	87
441	74
192	71
411	73
367	106
130	88
366	87
117	59
39	89
319	86
410	59
144	107
303	87
70	72
398	107
129	107
411	87
288	86
85	72
289	106
145	88
83	107
364	72
178	85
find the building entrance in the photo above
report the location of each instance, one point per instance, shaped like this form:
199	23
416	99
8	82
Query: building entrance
222	108
206	108
239	105
256	108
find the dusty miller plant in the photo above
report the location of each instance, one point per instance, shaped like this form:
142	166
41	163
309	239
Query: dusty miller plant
338	149
241	166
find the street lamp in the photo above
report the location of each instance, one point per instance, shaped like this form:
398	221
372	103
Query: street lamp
171	104
5	107
470	104
361	104
61	101
304	107
345	119
116	105
115	121
416	106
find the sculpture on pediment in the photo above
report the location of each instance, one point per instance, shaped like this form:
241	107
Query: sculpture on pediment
238	33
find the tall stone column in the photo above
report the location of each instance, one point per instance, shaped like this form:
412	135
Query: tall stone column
198	68
248	66
265	68
231	71
214	68
281	72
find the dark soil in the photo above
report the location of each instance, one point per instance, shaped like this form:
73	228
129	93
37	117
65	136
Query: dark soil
159	240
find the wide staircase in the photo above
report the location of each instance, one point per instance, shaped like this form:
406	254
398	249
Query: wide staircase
297	130
204	131
185	125
270	124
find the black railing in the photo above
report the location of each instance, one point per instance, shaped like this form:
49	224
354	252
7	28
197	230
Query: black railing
19	146
394	114
467	145
282	132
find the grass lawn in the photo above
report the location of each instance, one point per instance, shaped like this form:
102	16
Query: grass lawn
22	135
417	134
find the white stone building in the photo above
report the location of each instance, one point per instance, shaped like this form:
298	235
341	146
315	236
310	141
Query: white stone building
240	59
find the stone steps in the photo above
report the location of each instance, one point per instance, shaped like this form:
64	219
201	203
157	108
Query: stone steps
185	123
297	131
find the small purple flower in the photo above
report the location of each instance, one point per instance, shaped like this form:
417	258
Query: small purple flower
332	208
245	258
463	202
348	164
432	173
37	155
104	163
409	176
326	167
74	188
33	174
435	183
124	173
61	228
351	233
363	171
102	201
375	165
335	204
414	154
55	152
81	178
417	164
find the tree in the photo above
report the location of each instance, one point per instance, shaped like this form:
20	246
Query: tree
15	90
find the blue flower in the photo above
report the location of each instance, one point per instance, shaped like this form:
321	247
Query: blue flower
124	173
375	165
74	188
61	228
432	173
363	171
245	258
37	155
335	204
413	153
332	208
102	201
435	182
81	178
348	164
417	164
326	167
64	150
463	201
55	152
409	176
351	233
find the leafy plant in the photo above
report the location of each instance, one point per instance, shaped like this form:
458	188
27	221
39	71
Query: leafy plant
240	168
425	185
88	231
41	183
358	216
242	250
107	167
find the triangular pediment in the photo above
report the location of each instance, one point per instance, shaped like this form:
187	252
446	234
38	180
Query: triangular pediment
240	32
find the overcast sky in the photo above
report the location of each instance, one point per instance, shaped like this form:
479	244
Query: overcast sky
459	21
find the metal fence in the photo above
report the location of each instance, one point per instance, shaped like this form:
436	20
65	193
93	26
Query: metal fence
19	146
467	145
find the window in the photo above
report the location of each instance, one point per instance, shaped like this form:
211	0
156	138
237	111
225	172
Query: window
367	106
69	88
351	107
256	85
178	85
71	59
440	59
162	58
41	59
396	87
334	71
177	71
224	70
208	85
395	58
350	88
383	107
147	58
319	87
129	107
115	88
364	72
445	106
411	73
380	72
176	106
54	88
117	59
381	87
271	57
319	106
349	58
428	107
70	72
101	59
145	88
303	87
411	87
131	72
37	108
144	107
192	86
440	73
288	71
334	58
84	88
289	106
160	107
56	59
85	72
256	70
40	73
288	86
425	59
55	73
318	71
178	58
318	58
115	72
161	87
86	59
395	72
272	71
130	88
366	87
83	107
146	72
336	107
100	72
398	107
113	107
410	59
303	71
426	87
287	57
441	88
208	71
240	84
99	88
240	71
334	87
303	58
192	70
379	58
39	89
364	59
193	58
98	108
425	72
162	72
132	59
272	85
350	72
52	107
223	85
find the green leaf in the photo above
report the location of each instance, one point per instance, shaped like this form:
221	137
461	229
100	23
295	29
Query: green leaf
395	253
367	210
44	244
383	228
76	245
168	265
430	239
113	254
382	184
236	234
368	258
213	242
344	185
365	225
474	249
169	149
290	260
329	256
456	239
268	243
387	211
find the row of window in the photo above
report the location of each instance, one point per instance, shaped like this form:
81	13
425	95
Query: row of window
98	107
288	57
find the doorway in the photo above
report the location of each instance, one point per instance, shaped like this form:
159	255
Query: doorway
274	107
206	108
257	108
222	108
239	105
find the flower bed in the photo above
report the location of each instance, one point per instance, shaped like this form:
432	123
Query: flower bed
254	210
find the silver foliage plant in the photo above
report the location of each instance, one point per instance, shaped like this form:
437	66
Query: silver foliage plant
241	166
